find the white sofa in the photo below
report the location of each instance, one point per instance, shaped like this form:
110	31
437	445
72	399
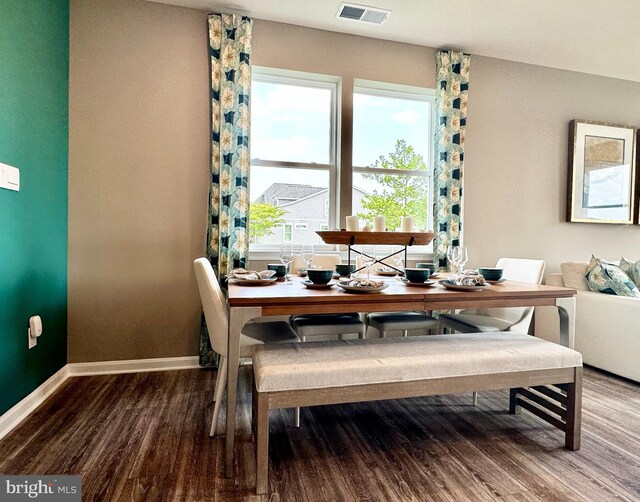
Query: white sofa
607	328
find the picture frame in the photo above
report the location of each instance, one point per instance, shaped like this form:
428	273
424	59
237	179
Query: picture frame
602	173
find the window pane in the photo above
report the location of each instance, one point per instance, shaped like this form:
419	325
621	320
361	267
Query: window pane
284	209
391	196
379	122
290	123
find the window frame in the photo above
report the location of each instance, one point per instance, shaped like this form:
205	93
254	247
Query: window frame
398	91
284	232
318	81
334	84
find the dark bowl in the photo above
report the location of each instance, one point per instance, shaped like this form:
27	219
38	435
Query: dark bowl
490	273
430	266
320	275
417	274
345	270
280	269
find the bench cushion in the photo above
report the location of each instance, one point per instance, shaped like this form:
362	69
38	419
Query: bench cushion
346	363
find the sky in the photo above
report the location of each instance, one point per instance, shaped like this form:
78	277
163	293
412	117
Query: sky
292	123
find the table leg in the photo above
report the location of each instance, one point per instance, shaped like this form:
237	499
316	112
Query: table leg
567	313
238	316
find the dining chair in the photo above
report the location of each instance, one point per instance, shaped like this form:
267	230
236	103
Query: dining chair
215	313
491	320
319	260
517	319
384	322
310	325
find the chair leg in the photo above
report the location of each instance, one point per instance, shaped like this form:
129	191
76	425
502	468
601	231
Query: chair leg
221	384
297	418
405	333
475	398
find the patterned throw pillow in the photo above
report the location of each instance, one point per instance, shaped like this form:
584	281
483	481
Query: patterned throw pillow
605	277
631	269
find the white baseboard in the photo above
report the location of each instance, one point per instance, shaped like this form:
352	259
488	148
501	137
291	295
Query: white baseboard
11	418
133	366
24	408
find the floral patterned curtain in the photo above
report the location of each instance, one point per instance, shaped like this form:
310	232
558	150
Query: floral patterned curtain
227	239
452	74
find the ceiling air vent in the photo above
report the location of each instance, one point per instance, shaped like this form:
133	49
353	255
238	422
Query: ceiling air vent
362	13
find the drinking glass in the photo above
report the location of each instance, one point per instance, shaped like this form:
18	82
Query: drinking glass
453	254
307	254
286	257
463	258
368	257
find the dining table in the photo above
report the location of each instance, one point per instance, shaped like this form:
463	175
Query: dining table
247	302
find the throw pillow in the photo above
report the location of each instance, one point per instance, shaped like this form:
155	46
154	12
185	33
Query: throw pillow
605	277
573	275
632	270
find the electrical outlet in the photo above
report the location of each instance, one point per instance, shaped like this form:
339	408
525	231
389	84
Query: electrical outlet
33	341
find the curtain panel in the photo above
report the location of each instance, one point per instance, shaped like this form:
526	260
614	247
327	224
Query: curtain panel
452	88
227	234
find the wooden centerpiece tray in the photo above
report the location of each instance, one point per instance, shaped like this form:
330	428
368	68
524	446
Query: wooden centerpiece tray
350	238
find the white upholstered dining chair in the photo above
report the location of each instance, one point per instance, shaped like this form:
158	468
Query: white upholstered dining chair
516	319
215	313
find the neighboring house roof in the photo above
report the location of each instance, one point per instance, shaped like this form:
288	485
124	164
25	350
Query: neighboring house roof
287	191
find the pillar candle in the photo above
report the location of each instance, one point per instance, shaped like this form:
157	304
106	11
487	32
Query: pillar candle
353	225
406	224
379	223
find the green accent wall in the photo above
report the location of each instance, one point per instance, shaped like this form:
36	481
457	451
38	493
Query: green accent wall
34	88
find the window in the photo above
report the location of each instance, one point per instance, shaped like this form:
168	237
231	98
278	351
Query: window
392	153
293	150
287	233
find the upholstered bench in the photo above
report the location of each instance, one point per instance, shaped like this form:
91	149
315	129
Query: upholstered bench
347	371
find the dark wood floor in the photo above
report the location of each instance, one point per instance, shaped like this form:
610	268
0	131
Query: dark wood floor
145	437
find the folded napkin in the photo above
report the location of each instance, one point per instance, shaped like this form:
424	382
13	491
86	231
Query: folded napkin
356	281
467	278
241	273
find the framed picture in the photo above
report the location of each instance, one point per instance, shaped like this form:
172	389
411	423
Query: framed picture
602	163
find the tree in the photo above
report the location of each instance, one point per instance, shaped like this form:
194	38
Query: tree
263	219
398	195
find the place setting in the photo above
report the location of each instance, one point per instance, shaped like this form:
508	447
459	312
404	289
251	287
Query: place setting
417	277
243	277
319	278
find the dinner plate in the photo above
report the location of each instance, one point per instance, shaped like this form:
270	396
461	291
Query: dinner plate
425	284
355	289
434	275
449	285
312	285
253	282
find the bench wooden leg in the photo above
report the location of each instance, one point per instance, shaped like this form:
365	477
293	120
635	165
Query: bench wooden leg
574	413
513	407
261	421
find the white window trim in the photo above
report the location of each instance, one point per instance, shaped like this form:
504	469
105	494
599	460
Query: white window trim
334	84
284	232
399	91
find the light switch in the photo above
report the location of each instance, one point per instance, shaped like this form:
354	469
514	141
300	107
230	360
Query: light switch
9	177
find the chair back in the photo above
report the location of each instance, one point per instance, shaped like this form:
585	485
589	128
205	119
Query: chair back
213	304
519	270
319	261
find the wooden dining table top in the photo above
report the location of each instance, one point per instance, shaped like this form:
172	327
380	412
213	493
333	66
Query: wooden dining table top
280	298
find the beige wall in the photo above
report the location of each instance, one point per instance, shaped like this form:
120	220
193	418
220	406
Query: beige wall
138	157
139	150
516	162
